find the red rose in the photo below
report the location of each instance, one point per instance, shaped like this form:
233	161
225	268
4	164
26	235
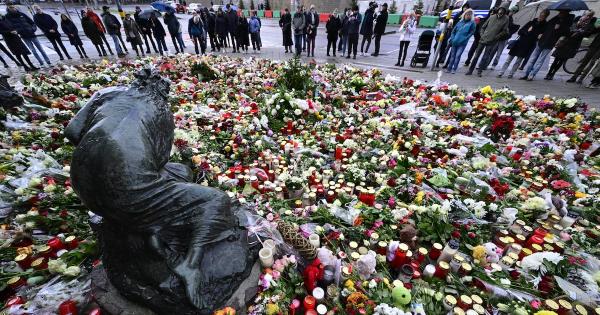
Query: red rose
456	234
471	235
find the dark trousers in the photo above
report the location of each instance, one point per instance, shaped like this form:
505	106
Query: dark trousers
177	42
222	41
352	44
198	41
81	51
403	51
586	64
162	45
24	58
146	36
255	38
56	43
555	66
214	43
232	37
311	44
377	43
298	43
100	49
488	51
135	44
331	44
7	53
472	50
122	42
367	39
106	42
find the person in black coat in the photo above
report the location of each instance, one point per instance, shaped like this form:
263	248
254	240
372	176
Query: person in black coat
159	34
333	27
344	31
366	29
145	29
232	26
15	44
91	30
353	31
175	31
8	54
285	23
522	48
26	28
212	29
50	28
113	28
379	29
69	28
587	62
243	33
221	29
312	23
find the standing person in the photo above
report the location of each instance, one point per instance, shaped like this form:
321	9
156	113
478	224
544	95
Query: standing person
98	21
211	29
15	45
528	36
512	28
8	54
366	29
379	30
174	30
92	31
196	31
221	29
333	27
113	28
344	32
26	28
461	33
567	47
132	33
477	36
159	34
407	28
232	24
243	32
557	27
353	30
145	28
492	30
311	30
588	61
285	23
50	29
298	22
69	28
254	31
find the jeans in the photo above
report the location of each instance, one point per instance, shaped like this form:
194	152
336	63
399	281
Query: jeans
352	44
298	43
57	44
343	43
488	50
162	45
33	43
146	36
331	44
536	61
115	39
514	67
311	44
367	39
377	43
498	52
455	54
403	51
177	42
304	41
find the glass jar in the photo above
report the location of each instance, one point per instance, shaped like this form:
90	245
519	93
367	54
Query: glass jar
449	251
435	251
442	269
564	307
551	305
465	302
456	261
449	302
581	310
569	219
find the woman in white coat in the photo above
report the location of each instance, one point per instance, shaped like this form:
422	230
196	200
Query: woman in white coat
406	30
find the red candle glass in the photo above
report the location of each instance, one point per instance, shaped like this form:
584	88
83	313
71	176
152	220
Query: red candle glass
56	244
435	252
67	308
309	302
71	242
534	239
338	152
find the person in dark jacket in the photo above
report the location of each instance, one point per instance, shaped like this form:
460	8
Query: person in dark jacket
512	29
379	29
232	25
91	30
566	48
366	29
98	21
333	27
587	62
285	23
243	33
15	44
528	36
26	28
344	31
196	32
492	30
113	28
312	22
298	24
159	33
7	51
69	28
221	29
50	29
353	30
477	36
132	33
211	19
174	30
557	27
145	29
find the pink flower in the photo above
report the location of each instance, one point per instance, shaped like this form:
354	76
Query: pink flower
392	202
560	184
535	304
565	236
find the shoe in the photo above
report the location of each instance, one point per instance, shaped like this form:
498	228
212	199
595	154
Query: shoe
374	54
328	55
523	78
499	75
453	72
397	64
467	64
469	73
548	78
571	80
580	81
69	57
348	57
529	79
5	65
81	56
61	58
148	51
354	57
510	76
479	74
402	64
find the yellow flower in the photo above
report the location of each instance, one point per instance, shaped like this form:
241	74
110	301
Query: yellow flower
225	311
479	253
349	284
419	198
545	313
386	281
487	90
272	309
579	194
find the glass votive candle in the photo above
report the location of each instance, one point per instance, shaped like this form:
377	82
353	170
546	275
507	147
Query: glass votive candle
309	302
465	302
318	293
449	302
314	240
442	269
266	257
435	251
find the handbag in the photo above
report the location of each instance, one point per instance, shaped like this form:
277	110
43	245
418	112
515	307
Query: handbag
511	43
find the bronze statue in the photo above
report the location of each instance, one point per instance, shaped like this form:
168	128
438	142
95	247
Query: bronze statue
163	236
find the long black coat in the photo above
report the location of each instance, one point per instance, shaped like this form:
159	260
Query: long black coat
285	22
144	24
243	32
312	23
555	29
528	36
47	24
69	28
172	23
91	30
333	27
221	25
157	28
232	21
22	24
366	29
13	41
380	23
567	48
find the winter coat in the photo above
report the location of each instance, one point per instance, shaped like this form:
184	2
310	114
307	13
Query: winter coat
46	24
366	29
13	41
132	31
333	27
232	21
157	28
462	32
172	24
407	28
221	25
312	23
195	29
144	24
528	36
285	22
211	23
494	29
345	25
96	19
91	30
299	23
354	24
254	25
243	32
113	26
69	28
22	24
567	48
380	23
555	29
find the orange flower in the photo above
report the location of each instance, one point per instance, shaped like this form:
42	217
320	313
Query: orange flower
226	311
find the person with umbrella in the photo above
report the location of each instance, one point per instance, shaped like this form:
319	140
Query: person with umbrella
333	27
528	36
221	29
91	30
143	21
50	29
566	47
587	63
132	33
15	44
159	34
69	28
196	32
366	29
113	28
98	21
232	25
556	28
495	28
174	30
285	23
26	28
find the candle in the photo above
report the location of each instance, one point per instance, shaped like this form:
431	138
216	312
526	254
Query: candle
71	242
67	308
435	251
449	302
294	306
465	302
314	240
23	260
321	309
429	271
449	251
442	269
56	244
309	302
318	293
271	245
266	257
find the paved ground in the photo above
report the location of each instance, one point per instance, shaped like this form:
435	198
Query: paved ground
272	49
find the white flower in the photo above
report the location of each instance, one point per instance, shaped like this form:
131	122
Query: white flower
72	271
297	112
35	181
57	266
534	203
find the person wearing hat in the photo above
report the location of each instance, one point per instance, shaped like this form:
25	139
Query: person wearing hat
366	29
494	29
26	28
145	28
312	21
98	21
50	29
113	28
379	29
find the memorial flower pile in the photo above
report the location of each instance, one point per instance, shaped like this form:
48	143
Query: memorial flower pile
369	194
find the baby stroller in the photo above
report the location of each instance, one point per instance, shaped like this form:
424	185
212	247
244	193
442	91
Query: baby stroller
423	51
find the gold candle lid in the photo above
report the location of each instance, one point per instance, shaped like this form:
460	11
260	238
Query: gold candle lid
363	250
458	258
536	247
13	280
527	251
449	299
466	299
444	265
521	238
355	255
21	257
581	310
37	262
479	309
458	311
466	266
514	256
423	251
476	299
403	247
565	304
353	245
437	246
374	236
551	305
382	244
